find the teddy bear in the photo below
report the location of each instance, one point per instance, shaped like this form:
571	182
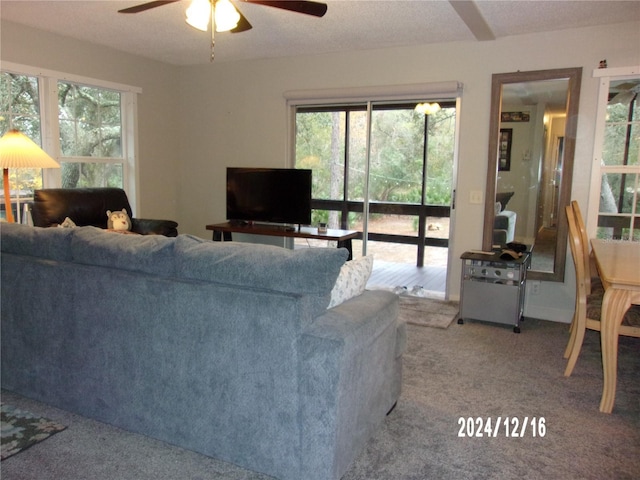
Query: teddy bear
118	221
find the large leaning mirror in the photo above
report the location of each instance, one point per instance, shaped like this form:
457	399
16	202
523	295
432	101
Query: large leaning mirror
532	133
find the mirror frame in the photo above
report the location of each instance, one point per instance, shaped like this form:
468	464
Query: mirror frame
574	77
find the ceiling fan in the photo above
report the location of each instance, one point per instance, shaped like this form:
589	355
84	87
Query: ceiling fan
625	92
229	18
225	17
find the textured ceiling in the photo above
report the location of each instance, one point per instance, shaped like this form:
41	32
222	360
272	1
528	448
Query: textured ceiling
163	35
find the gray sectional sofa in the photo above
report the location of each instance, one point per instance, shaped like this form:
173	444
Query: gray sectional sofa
222	348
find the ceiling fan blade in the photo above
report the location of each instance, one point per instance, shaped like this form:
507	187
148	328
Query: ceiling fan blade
243	24
316	9
146	6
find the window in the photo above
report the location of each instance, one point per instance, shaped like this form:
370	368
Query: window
618	151
90	130
20	109
90	136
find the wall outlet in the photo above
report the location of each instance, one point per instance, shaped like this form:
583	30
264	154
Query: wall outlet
534	287
475	197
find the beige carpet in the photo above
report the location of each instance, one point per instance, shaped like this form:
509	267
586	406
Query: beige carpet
427	312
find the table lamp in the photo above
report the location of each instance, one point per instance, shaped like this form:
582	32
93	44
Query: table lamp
19	151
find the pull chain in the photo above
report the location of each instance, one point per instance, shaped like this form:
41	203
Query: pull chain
213	28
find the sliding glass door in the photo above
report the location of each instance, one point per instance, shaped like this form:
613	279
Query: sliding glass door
385	170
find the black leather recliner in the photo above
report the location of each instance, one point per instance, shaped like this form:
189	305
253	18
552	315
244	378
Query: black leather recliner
88	207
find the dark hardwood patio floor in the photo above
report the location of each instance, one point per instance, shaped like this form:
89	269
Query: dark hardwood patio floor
388	275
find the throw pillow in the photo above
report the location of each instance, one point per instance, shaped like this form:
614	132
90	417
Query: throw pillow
118	220
68	223
352	280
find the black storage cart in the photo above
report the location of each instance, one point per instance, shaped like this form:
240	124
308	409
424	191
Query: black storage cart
493	288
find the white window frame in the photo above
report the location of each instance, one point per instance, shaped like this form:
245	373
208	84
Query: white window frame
606	76
50	131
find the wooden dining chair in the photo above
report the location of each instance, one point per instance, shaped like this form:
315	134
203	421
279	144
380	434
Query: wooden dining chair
588	306
592	278
592	281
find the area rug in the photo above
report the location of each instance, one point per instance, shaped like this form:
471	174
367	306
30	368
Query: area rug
21	429
427	312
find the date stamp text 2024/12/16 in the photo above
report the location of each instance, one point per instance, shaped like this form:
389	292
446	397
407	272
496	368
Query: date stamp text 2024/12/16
509	427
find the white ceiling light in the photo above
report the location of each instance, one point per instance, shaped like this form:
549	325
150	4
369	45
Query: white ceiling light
427	108
198	14
225	15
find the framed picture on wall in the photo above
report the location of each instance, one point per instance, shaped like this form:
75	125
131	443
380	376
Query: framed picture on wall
504	149
515	116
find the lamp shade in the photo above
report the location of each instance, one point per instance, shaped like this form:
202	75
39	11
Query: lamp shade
198	14
19	151
226	16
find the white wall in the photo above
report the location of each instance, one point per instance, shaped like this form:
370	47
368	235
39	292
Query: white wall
235	114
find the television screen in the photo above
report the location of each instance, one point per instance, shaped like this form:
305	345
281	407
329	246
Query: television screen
273	195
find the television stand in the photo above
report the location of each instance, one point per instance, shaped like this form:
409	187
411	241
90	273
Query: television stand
223	231
277	227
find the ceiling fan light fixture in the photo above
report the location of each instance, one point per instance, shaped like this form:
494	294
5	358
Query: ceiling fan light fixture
624	98
198	14
226	16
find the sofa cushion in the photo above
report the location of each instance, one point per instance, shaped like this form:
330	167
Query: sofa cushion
304	271
49	243
352	280
144	253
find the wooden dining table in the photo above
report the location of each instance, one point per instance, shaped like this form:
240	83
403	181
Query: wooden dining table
618	263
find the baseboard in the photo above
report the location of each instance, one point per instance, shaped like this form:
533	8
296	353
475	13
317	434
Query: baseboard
548	313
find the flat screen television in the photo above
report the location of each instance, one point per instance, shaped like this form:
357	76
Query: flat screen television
271	195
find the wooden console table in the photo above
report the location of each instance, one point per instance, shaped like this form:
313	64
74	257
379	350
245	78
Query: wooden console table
223	231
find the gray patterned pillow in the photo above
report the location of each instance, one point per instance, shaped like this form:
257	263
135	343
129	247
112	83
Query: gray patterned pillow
352	280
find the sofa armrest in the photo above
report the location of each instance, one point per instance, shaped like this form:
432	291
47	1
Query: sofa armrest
499	237
144	226
501	222
352	362
504	227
